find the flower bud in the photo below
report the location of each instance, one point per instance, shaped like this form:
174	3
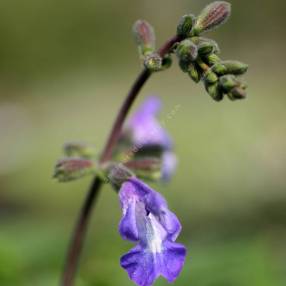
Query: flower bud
187	51
235	67
236	93
185	25
205	48
69	169
206	42
212	59
219	68
80	149
214	91
194	73
153	62
228	82
212	16
144	37
210	77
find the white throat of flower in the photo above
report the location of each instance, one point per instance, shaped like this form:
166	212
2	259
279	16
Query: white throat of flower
155	234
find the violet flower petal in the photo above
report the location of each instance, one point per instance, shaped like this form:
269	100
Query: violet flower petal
145	128
147	219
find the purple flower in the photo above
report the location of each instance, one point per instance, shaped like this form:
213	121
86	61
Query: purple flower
148	221
144	127
150	137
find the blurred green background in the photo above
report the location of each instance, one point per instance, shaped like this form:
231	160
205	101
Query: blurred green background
65	66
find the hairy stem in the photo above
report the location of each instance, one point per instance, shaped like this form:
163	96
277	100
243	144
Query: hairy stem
78	236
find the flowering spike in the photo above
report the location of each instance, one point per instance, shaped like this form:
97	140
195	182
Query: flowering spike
185	25
81	149
144	37
212	16
69	169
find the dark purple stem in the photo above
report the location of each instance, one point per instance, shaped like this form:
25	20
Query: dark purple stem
76	244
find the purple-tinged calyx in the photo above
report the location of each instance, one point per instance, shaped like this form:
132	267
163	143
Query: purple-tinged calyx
69	169
148	221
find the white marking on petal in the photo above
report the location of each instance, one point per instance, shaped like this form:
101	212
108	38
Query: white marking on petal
155	234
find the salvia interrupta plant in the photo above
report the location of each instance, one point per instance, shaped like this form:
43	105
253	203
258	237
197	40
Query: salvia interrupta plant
140	149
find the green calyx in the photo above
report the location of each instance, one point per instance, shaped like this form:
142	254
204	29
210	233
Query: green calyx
185	25
187	51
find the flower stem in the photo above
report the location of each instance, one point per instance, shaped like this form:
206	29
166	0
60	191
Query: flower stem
78	236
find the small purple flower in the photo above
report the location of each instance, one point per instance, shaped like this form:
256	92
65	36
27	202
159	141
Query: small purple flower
148	221
145	128
147	134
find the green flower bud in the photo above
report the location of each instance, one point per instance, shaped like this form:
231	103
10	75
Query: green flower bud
214	91
194	73
205	48
206	42
144	36
219	68
210	77
236	93
69	169
187	51
212	59
235	67
228	82
153	62
185	25
212	16
81	149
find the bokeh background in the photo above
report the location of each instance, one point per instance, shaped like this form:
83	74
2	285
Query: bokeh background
65	66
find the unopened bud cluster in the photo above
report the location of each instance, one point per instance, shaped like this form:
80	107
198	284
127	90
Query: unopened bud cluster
198	56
